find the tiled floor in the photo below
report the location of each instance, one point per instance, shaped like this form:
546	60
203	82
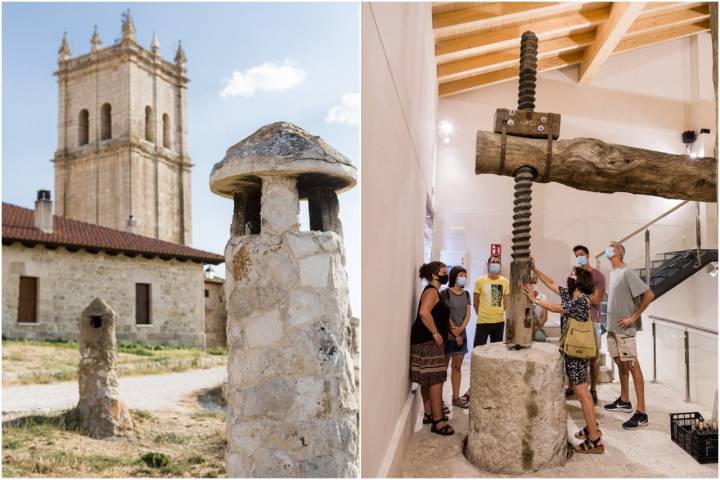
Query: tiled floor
647	452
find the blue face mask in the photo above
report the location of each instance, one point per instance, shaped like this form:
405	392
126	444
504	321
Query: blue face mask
581	261
494	268
460	282
609	252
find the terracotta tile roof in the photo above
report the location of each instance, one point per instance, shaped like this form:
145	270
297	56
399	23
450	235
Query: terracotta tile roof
18	224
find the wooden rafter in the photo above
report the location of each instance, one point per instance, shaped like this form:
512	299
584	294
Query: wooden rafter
477	44
609	34
509	36
511	56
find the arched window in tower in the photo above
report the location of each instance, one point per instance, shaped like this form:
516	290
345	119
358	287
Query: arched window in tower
149	124
83	127
105	122
166	130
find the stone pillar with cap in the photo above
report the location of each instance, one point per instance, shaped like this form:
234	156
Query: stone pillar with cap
292	409
99	408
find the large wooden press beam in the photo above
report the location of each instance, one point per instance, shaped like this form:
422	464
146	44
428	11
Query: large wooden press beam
593	165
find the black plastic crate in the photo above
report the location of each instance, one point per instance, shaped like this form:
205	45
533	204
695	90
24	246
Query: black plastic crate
702	446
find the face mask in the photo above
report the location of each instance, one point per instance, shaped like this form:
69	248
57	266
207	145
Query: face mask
443	279
581	261
609	252
571	284
494	268
460	282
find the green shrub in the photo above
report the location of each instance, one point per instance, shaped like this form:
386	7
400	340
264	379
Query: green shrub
155	459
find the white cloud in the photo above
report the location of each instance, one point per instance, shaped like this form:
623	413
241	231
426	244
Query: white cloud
267	77
347	113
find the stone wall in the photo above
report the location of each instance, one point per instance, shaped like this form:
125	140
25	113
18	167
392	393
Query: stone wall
291	404
215	313
69	281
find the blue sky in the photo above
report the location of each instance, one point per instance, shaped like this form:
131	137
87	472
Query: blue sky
249	65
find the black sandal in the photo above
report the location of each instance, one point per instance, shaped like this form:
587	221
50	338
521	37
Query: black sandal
427	419
445	408
582	434
591	446
445	431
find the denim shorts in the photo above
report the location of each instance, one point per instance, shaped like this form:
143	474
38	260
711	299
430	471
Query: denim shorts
452	348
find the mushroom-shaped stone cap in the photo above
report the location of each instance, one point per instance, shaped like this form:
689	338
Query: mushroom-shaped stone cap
282	149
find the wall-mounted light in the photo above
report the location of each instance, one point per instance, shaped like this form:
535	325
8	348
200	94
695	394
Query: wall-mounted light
689	138
712	269
445	129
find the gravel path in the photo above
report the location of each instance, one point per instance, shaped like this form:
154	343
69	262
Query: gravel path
148	392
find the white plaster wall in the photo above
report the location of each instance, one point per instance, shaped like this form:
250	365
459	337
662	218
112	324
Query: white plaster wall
398	145
644	98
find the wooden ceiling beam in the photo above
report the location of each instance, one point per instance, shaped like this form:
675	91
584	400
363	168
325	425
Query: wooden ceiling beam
609	34
494	15
658	8
507	37
571	58
511	56
662	36
482	80
673	19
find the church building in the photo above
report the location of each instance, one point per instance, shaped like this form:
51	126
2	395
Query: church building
120	227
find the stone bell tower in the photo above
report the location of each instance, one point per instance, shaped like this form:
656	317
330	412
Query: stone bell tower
291	405
122	160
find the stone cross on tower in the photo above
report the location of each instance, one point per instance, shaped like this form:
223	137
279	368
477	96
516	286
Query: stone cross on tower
291	404
99	409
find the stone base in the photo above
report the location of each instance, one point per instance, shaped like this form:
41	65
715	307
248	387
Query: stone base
518	420
105	418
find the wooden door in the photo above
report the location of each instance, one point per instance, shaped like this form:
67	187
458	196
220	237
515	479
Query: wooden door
142	303
27	304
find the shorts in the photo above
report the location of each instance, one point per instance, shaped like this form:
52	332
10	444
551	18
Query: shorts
622	346
598	331
452	348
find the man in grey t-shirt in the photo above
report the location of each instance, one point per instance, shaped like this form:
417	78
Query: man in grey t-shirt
622	317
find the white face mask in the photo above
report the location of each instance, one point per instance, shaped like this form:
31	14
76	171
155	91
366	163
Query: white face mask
460	282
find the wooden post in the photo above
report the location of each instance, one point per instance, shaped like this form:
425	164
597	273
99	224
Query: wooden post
593	165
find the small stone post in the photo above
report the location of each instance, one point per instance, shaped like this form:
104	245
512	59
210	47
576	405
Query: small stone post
292	410
518	420
99	409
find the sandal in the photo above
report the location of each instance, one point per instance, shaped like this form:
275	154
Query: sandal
582	434
466	398
460	402
445	408
427	419
591	446
445	430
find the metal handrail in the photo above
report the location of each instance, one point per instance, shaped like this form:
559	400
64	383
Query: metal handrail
686	325
686	343
644	227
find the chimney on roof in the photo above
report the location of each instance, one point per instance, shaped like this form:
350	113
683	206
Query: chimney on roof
132	224
44	211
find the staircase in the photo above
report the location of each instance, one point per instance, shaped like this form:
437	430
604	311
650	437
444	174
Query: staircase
669	269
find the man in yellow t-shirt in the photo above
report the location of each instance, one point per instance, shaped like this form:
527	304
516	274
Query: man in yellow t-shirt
490	299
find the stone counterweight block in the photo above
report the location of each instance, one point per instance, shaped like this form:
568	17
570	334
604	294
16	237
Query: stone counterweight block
518	419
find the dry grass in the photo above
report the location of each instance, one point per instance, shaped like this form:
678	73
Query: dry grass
49	362
190	443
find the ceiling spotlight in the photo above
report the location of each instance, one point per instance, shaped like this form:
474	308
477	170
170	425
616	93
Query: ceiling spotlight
446	140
